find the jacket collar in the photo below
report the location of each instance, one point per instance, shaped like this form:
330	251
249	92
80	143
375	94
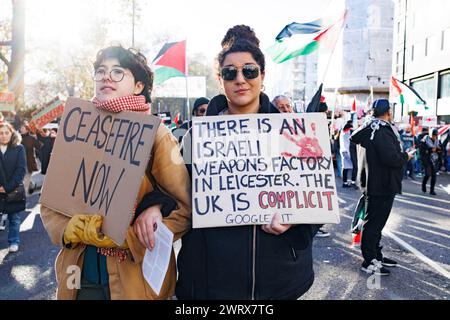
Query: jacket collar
220	103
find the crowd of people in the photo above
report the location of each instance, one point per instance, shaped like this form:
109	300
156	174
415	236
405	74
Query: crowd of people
271	261
431	155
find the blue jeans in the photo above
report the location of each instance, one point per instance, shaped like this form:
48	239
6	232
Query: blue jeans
339	164
14	228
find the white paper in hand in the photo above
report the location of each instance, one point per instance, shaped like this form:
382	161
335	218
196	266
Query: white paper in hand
156	262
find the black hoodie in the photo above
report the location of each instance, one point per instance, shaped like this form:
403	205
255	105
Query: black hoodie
384	156
244	262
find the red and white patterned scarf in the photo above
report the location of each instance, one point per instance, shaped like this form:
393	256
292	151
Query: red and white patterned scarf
131	103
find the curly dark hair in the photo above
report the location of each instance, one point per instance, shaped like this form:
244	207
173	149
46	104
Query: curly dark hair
241	38
133	60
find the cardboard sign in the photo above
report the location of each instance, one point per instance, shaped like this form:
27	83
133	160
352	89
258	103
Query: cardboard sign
247	168
47	113
97	164
6	101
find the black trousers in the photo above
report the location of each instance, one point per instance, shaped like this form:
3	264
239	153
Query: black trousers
378	210
93	291
345	175
408	167
429	171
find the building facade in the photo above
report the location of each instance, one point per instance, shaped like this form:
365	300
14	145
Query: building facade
362	58
297	79
421	52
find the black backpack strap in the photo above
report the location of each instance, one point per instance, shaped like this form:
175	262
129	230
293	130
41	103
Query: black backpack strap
157	196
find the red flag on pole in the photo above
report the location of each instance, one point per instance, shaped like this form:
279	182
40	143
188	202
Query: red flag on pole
413	130
177	118
354	105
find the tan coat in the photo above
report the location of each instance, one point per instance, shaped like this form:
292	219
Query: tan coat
125	278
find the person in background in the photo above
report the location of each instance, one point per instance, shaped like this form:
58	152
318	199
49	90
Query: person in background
12	173
344	143
17	120
380	177
283	104
31	144
198	110
445	152
354	159
408	145
323	107
431	148
421	153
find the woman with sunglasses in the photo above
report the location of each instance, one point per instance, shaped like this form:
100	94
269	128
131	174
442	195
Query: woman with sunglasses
272	261
123	81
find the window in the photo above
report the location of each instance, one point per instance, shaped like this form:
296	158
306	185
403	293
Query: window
412	53
444	91
442	40
446	39
425	88
426	47
398	27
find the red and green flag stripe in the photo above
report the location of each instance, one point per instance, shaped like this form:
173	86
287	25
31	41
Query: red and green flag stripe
170	61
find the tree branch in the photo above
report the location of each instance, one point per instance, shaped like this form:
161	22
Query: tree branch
5	43
3	58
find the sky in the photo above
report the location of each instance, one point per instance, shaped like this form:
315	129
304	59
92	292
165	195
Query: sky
202	23
63	25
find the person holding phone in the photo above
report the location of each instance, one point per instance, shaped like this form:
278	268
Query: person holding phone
381	179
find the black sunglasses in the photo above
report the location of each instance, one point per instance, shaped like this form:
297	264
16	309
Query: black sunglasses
249	71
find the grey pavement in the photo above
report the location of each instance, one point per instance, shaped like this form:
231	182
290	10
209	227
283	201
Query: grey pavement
418	222
418	237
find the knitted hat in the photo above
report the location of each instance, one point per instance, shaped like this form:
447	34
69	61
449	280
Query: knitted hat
380	107
199	102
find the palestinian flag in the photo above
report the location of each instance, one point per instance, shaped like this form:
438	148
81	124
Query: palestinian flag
443	129
354	104
177	118
170	62
314	105
406	95
299	39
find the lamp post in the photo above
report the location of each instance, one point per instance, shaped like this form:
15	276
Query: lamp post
132	29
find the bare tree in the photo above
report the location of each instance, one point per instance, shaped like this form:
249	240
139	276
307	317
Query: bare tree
16	43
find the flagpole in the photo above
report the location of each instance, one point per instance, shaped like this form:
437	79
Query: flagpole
187	90
371	96
333	111
132	31
404	50
334	48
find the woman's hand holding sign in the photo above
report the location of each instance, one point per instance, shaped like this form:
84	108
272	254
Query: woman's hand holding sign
275	227
145	226
84	228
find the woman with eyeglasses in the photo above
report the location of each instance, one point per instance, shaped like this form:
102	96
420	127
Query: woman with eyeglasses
12	172
123	81
272	261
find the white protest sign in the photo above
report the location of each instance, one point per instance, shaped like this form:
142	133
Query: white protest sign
246	168
429	121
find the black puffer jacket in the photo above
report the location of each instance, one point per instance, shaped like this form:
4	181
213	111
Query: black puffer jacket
13	170
384	156
245	262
